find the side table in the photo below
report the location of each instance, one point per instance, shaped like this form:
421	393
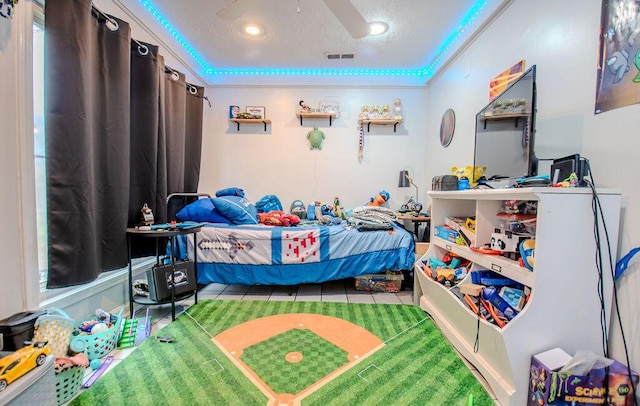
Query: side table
416	220
158	234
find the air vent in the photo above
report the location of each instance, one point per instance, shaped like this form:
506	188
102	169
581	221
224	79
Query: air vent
335	55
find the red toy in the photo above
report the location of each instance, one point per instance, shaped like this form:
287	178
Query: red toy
278	218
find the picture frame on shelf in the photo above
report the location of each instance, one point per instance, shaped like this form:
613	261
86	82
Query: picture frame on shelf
256	110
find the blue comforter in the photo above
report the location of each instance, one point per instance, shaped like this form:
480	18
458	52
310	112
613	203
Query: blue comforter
264	255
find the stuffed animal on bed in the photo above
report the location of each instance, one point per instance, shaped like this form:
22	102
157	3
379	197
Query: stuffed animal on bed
380	199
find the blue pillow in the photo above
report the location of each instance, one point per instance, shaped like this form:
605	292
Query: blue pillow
202	210
237	209
230	191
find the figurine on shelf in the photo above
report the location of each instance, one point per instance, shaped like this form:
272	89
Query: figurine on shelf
398	114
364	113
385	114
303	107
375	112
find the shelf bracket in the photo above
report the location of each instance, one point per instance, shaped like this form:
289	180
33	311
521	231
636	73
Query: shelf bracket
238	125
394	126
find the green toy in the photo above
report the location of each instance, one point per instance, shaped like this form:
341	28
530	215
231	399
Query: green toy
315	138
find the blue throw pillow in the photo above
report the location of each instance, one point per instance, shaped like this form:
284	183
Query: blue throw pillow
230	191
237	209
202	210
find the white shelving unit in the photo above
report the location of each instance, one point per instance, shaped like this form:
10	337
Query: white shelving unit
564	307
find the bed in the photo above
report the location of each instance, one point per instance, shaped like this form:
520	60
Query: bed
267	255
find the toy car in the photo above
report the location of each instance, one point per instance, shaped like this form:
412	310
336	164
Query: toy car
278	218
21	361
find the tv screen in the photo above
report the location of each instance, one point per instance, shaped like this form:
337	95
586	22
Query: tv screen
505	129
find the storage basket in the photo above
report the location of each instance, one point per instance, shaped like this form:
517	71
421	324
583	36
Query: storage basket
68	383
100	344
56	328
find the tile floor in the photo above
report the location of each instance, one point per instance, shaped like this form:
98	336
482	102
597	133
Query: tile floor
342	291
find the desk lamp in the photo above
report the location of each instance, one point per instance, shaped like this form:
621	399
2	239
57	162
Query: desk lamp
405	180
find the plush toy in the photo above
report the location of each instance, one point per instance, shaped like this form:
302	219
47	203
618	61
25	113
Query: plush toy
469	173
380	199
337	209
315	138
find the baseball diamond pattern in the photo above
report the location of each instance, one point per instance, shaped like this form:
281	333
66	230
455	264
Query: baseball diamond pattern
416	366
269	360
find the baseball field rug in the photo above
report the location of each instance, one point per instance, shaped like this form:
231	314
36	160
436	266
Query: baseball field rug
227	352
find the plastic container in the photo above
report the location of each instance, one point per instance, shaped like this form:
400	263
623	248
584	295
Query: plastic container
18	328
68	383
100	344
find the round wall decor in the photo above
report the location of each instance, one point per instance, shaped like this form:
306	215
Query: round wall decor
447	127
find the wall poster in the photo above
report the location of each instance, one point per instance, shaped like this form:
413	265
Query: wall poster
618	82
504	79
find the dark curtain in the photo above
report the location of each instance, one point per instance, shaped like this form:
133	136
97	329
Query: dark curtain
193	138
87	142
122	130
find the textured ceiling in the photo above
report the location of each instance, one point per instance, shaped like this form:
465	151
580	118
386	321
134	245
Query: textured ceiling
299	34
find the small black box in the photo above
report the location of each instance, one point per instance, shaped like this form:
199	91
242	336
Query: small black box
444	182
18	328
159	278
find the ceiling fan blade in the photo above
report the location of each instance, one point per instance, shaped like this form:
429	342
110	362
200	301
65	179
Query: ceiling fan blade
349	16
235	9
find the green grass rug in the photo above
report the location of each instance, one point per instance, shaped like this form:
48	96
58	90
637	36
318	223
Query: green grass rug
401	359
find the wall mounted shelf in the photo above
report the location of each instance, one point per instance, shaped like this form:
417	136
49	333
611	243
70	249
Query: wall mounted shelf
264	121
515	116
330	116
380	121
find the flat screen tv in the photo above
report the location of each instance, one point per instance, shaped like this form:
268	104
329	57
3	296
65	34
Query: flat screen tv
505	132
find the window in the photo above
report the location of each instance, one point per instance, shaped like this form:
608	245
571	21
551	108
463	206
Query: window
39	141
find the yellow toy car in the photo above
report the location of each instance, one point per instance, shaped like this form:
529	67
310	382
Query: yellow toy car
21	361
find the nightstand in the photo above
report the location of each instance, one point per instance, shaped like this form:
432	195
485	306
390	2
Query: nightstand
158	235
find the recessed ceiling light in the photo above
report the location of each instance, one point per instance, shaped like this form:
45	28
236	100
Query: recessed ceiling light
253	29
378	28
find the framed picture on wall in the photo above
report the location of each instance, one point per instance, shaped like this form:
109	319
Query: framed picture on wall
257	111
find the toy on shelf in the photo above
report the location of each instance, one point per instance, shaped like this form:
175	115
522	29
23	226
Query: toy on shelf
449	271
380	199
21	361
364	113
303	107
398	114
527	251
472	174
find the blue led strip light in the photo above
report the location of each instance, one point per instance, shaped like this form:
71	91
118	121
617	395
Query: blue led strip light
427	71
175	34
455	35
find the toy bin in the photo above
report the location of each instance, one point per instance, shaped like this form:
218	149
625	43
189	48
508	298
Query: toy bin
18	328
68	383
389	282
100	344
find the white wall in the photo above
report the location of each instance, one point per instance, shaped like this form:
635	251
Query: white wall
280	161
561	39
